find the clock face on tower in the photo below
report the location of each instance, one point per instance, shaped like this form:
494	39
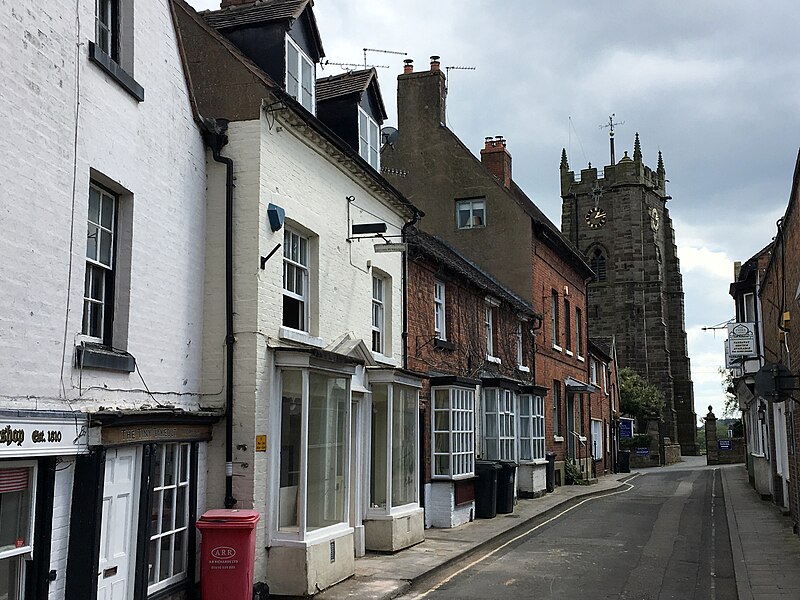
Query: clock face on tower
596	218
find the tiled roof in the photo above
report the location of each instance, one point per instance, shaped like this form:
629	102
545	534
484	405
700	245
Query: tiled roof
346	83
259	12
441	251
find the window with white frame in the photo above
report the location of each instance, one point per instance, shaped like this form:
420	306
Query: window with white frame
593	368
368	136
313	450
597	439
531	427
471	213
98	288
453	432
498	424
393	464
378	314
522	327
748	308
300	75
439	320
578	331
168	552
16	528
567	327
295	280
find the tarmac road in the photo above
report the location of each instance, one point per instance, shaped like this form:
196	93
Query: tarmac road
663	535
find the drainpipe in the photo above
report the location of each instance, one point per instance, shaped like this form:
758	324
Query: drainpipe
216	139
406	226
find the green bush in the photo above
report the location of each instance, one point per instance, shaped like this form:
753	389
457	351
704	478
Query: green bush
640	440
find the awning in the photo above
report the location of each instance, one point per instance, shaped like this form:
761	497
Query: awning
573	385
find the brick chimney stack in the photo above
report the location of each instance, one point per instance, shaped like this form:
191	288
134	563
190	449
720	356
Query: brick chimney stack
421	98
497	159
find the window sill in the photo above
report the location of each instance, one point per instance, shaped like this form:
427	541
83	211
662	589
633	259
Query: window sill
443	344
558	438
295	335
493	359
581	359
557	348
523	369
568	352
116	72
97	356
384	360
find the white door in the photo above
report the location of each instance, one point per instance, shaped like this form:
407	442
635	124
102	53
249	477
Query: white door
117	542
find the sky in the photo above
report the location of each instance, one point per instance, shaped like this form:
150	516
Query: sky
714	85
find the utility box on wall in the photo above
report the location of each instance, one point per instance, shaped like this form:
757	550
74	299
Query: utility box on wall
227	553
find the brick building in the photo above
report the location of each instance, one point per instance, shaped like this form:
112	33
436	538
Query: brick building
779	296
619	219
470	336
475	206
603	405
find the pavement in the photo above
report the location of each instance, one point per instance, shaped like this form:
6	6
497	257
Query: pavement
766	553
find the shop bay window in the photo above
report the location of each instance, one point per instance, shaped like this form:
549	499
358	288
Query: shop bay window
531	427
16	527
394	460
313	450
453	432
498	424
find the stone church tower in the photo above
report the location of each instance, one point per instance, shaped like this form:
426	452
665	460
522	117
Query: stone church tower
620	221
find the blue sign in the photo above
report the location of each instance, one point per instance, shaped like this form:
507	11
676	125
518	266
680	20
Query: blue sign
642	451
725	444
625	428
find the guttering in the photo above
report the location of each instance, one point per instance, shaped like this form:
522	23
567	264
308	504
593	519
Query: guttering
216	139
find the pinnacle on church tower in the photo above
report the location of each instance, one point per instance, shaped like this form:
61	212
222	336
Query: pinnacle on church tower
660	167
637	149
564	163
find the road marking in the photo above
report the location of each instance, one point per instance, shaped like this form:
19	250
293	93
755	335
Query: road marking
519	537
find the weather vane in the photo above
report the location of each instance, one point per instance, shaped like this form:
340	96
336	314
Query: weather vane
610	126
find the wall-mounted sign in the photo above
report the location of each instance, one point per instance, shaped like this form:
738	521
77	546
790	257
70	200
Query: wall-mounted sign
139	434
742	339
642	451
625	428
42	436
261	443
725	444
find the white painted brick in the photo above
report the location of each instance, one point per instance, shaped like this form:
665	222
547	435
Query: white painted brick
441	509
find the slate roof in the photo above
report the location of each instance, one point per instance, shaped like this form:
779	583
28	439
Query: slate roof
441	251
351	82
259	12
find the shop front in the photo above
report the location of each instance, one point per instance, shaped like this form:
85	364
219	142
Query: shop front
37	457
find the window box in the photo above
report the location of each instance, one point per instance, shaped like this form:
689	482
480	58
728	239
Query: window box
97	356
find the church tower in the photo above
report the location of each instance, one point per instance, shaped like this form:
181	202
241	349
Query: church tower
619	219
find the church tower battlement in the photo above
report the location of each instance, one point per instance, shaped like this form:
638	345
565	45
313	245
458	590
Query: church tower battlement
619	219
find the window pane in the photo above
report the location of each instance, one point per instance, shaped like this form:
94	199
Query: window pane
94	205
477	217
291	418
152	560
166	556
107	214
169	464
92	241
179	554
404	446
168	511
327	412
380	422
180	505
105	248
463	217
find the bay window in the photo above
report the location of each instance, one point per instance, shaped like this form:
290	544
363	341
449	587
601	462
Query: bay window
313	450
498	424
453	432
394	456
531	427
16	527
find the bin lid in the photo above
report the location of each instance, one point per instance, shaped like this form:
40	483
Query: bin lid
232	516
487	464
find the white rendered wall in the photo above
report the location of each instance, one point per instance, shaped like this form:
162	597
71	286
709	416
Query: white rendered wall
151	148
440	507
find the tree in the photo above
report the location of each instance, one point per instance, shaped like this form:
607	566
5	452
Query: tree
638	397
731	401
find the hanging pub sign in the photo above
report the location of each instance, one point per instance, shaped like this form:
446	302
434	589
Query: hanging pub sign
741	339
42	436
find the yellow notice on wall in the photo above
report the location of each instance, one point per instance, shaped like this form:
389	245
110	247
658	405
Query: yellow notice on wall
261	443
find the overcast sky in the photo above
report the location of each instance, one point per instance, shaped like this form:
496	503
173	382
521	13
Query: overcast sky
714	85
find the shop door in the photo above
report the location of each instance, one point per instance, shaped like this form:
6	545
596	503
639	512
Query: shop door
117	542
358	450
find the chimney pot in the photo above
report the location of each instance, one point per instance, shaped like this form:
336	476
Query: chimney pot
408	66
435	63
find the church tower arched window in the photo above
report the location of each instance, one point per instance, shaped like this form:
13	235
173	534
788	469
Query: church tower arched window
597	260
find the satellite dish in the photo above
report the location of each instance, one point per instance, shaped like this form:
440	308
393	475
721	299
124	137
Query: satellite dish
773	381
388	135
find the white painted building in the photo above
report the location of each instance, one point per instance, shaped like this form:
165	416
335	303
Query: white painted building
101	258
325	419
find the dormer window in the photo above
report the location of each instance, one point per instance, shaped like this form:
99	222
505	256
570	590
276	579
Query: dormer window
300	75
368	135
